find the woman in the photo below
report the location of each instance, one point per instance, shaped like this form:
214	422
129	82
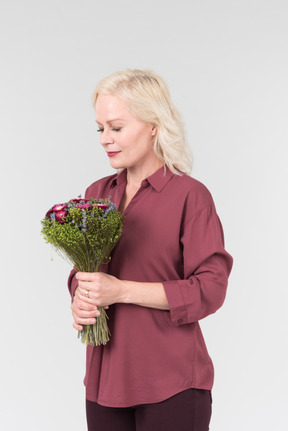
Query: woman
168	270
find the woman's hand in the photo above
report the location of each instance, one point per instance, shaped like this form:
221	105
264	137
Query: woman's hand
100	289
95	289
83	312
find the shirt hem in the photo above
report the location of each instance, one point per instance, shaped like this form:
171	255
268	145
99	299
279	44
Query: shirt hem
153	401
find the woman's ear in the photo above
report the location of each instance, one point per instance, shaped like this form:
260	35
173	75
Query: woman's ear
154	130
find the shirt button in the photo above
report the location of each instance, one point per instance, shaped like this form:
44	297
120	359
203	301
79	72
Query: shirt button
180	321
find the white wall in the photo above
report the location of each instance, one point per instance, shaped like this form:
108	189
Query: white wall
226	64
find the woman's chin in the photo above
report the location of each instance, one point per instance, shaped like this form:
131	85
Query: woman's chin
116	165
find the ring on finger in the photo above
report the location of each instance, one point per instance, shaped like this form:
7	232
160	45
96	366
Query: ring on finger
86	293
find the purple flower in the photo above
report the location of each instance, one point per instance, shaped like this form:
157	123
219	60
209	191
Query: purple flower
79	200
76	200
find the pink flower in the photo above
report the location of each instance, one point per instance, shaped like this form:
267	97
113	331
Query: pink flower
59	216
102	206
84	206
49	212
59	207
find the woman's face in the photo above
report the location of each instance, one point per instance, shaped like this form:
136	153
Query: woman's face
127	140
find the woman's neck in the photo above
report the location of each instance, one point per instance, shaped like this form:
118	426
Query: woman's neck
135	176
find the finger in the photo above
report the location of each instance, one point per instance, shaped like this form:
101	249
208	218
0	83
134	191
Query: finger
85	315
85	284
83	303
86	276
77	327
83	321
85	293
84	311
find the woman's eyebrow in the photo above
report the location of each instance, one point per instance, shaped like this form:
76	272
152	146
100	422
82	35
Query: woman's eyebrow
110	121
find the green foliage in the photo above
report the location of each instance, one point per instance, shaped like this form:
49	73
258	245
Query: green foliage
85	234
85	248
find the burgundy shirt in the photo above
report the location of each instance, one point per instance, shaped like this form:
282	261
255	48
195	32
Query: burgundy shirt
172	235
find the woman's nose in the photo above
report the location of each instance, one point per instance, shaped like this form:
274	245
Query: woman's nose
106	137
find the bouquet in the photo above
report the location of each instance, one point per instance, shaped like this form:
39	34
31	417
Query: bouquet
84	232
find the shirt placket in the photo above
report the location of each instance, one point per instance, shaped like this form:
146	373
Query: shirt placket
141	192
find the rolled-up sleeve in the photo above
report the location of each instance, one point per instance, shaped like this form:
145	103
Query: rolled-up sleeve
72	283
206	268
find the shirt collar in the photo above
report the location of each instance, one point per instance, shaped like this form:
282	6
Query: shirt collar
158	180
120	178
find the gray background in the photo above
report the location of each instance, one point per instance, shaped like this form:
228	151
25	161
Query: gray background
226	65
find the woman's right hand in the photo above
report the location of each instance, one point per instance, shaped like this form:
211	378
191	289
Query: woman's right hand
83	312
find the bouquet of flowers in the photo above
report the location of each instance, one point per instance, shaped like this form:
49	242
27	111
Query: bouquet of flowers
84	232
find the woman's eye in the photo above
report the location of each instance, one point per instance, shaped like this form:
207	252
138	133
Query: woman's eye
114	129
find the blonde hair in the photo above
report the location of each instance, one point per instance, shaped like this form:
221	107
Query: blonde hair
149	100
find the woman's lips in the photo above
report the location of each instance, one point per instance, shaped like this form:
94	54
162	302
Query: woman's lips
112	153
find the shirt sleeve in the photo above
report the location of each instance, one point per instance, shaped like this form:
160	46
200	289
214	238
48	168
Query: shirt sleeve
72	283
206	267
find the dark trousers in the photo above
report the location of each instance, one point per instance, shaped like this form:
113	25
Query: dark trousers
189	410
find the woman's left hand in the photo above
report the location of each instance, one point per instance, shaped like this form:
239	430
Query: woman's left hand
99	288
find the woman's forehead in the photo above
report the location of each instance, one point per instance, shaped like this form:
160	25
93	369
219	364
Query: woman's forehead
110	107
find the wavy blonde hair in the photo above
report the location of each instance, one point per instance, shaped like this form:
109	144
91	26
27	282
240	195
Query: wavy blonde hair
148	98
